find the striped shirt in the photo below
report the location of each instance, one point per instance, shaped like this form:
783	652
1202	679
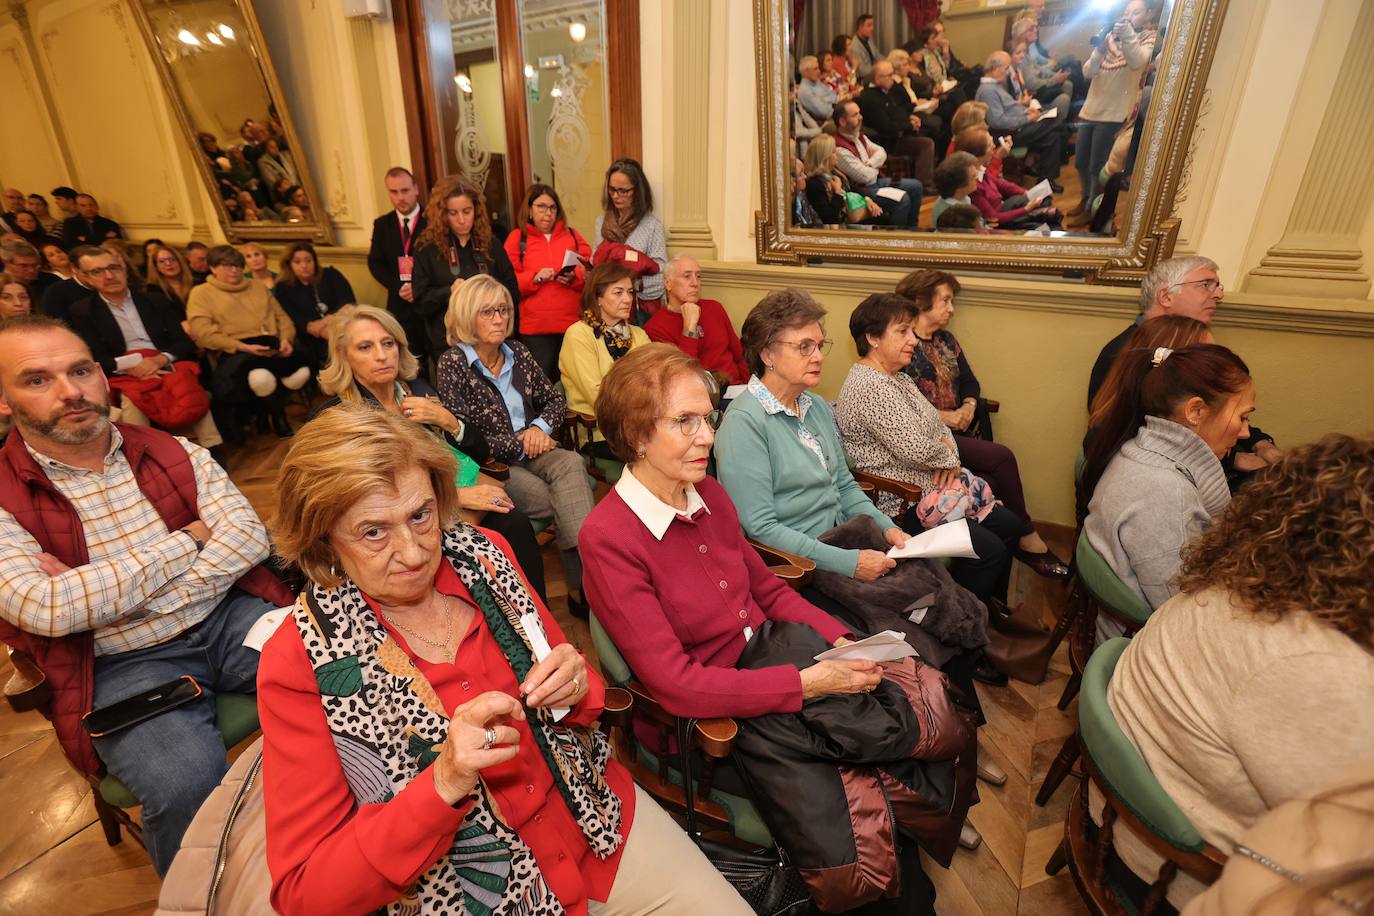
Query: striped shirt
144	585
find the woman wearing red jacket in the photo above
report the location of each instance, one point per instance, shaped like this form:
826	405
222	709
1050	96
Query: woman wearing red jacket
1003	202
550	287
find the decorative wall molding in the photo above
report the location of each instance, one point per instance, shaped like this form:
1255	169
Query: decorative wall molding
689	230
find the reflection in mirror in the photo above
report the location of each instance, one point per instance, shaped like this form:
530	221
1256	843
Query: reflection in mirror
478	146
993	120
211	54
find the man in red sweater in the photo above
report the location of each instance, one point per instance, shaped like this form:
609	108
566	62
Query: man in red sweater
696	326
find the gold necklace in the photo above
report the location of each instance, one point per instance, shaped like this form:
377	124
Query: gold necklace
446	646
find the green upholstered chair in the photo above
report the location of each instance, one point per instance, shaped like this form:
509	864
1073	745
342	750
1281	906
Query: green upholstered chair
1098	590
1133	799
653	768
236	717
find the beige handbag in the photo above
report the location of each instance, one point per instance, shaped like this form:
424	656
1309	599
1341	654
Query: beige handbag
221	867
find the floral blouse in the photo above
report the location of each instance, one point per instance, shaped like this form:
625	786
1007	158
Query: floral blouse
941	371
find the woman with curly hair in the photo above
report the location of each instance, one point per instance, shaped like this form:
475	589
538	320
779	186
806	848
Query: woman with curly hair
455	245
1251	687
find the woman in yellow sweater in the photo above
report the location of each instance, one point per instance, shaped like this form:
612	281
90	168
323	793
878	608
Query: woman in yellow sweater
254	339
592	345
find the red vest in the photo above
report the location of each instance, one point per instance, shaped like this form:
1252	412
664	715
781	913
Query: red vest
164	474
843	141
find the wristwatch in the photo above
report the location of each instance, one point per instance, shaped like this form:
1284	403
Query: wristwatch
200	545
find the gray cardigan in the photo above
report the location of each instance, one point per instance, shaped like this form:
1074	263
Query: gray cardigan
1160	491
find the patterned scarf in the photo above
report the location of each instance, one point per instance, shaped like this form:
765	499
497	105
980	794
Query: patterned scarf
615	229
616	337
388	724
772	405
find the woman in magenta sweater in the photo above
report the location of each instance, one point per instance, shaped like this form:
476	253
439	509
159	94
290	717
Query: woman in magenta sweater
666	567
550	287
1001	201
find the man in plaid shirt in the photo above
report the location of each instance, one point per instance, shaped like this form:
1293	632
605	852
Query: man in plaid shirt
131	546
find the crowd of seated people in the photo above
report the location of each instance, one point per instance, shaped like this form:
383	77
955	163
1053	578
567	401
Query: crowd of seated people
416	556
915	100
257	176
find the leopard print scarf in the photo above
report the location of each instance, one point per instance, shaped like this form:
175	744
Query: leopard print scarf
387	723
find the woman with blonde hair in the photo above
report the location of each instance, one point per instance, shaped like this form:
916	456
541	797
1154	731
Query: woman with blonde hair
456	245
258	266
1250	688
496	384
369	362
427	728
828	190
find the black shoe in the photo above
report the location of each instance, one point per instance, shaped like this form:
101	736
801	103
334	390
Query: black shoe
263	424
578	609
1055	186
985	673
281	426
220	455
1044	564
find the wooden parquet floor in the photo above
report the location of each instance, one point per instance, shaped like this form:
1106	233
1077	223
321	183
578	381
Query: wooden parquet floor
54	860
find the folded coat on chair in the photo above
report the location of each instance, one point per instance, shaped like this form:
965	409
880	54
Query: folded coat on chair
172	399
838	780
955	621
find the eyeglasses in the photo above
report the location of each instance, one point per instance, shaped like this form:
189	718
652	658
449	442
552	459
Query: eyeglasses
620	192
166	260
689	424
545	208
111	270
1210	285
806	347
493	311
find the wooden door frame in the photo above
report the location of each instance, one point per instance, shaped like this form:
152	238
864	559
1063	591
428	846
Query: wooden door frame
424	91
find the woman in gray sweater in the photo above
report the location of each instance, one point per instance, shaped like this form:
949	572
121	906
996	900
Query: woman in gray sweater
1152	477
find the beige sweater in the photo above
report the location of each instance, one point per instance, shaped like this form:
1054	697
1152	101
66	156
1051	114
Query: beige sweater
1237	714
219	315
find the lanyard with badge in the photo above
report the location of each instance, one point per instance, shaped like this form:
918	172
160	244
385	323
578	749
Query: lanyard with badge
405	264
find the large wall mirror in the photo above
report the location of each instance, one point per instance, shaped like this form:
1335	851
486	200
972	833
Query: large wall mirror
215	67
1090	109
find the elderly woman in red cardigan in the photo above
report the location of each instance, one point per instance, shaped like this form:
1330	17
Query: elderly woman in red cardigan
425	723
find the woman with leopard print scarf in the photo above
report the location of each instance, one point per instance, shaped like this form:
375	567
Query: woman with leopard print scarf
426	727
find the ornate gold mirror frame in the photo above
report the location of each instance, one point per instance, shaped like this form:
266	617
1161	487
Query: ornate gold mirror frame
161	47
1149	227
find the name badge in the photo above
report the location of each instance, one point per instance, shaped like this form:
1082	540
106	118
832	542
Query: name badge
405	265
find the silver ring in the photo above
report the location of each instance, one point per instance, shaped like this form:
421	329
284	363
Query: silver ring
496	501
491	739
408	413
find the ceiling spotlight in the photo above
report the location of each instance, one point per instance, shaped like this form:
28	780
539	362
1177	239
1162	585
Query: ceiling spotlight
226	31
186	38
214	39
529	71
577	31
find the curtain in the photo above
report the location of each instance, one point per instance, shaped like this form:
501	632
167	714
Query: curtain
822	20
921	13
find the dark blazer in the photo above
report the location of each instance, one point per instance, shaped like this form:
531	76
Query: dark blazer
434	278
77	231
41	284
886	114
58	298
299	301
90	317
381	263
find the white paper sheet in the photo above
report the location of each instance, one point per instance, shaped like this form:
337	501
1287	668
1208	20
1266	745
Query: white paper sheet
539	644
927	105
896	195
572	258
1034	103
1043	189
948	540
263	628
1051	113
947	85
887	646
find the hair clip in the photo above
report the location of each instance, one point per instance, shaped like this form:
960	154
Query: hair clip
1161	354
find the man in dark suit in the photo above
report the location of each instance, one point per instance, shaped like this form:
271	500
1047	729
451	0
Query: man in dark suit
391	257
88	227
117	323
21	261
891	120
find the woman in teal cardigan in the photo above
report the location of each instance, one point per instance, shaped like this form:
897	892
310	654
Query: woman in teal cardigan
778	452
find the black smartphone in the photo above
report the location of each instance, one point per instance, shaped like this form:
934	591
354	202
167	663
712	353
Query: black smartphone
141	707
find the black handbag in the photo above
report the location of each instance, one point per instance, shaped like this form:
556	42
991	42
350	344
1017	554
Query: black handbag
770	884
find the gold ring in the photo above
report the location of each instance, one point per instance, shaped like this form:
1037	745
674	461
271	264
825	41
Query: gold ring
491	739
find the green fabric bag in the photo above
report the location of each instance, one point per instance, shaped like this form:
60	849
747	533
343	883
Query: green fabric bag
467	468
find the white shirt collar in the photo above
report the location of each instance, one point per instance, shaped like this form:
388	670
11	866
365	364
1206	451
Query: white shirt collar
652	511
411	215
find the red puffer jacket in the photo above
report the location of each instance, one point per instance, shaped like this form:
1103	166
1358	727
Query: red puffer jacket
548	307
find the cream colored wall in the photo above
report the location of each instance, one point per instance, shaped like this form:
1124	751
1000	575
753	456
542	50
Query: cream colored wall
1032	342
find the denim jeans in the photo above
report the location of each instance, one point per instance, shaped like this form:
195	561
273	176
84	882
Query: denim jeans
903	214
1095	139
173	761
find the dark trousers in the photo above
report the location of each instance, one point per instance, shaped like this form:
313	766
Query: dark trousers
1046	139
994	539
997	465
515	527
545	349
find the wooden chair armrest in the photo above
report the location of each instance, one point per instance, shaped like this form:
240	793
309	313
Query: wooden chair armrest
715	736
495	469
865	485
619	710
907	492
794	570
991	405
27	687
581	419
